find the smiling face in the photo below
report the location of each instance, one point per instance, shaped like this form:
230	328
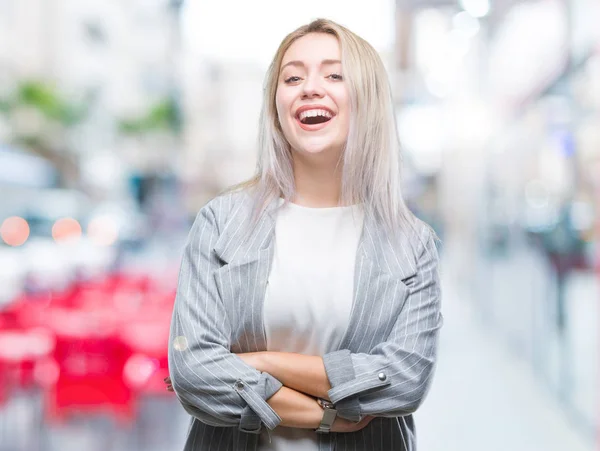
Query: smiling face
312	99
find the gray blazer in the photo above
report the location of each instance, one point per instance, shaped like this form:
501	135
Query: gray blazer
383	366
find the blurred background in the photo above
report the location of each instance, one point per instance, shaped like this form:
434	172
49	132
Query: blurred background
119	119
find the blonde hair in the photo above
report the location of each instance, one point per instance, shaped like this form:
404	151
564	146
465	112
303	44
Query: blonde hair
371	157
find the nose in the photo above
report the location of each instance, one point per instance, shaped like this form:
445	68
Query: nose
313	88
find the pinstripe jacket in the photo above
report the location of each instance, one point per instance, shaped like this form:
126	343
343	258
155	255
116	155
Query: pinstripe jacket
383	366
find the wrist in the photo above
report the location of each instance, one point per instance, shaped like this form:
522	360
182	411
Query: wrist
316	415
329	416
296	409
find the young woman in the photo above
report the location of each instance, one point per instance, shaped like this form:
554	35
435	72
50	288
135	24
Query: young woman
308	304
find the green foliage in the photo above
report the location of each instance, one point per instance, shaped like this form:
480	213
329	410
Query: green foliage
4	106
163	116
46	100
30	142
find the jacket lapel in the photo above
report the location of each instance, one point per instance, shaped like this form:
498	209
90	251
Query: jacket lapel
380	273
247	256
237	242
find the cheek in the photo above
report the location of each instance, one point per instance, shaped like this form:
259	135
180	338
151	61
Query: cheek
344	114
278	106
343	101
283	110
283	101
284	118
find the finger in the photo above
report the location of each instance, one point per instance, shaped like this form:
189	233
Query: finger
167	380
362	423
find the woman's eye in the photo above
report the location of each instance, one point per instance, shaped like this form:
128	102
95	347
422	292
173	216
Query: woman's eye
336	77
292	79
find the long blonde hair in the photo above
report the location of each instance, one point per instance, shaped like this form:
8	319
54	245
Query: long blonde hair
371	158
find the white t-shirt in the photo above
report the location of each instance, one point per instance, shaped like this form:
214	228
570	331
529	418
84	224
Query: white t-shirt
309	292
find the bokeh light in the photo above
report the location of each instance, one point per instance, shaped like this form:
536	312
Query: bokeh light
14	231
138	370
103	231
180	343
116	124
66	229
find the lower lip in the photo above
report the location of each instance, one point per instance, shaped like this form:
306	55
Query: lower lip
314	127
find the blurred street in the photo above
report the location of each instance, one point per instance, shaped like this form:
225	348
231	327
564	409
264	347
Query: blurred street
485	396
120	119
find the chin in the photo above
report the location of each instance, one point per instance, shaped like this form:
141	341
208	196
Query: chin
315	149
319	146
318	149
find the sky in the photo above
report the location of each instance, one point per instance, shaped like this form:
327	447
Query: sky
251	30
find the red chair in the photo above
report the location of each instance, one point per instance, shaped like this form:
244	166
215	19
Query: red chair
21	351
147	336
90	360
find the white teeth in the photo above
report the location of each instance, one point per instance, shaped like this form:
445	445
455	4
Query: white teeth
311	113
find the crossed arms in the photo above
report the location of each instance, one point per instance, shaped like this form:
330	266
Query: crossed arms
250	390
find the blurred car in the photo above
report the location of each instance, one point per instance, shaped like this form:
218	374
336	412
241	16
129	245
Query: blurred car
55	246
118	223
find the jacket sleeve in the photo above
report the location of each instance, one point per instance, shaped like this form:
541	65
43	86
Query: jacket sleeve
212	384
393	378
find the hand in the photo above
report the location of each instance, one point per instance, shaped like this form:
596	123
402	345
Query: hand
342	425
167	381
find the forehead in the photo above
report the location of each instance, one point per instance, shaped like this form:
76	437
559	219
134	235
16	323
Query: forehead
313	48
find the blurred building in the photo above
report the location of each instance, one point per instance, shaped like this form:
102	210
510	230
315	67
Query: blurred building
119	59
498	109
499	106
222	105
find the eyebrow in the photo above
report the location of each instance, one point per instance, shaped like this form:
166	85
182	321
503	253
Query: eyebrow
301	64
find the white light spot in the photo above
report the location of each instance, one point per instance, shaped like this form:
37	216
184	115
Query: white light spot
466	24
536	194
180	343
476	8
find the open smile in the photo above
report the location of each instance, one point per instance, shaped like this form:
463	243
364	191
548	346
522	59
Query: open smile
314	117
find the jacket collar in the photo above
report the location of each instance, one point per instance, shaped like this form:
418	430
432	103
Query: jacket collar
393	255
237	244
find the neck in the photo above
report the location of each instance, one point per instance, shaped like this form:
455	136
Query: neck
318	180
